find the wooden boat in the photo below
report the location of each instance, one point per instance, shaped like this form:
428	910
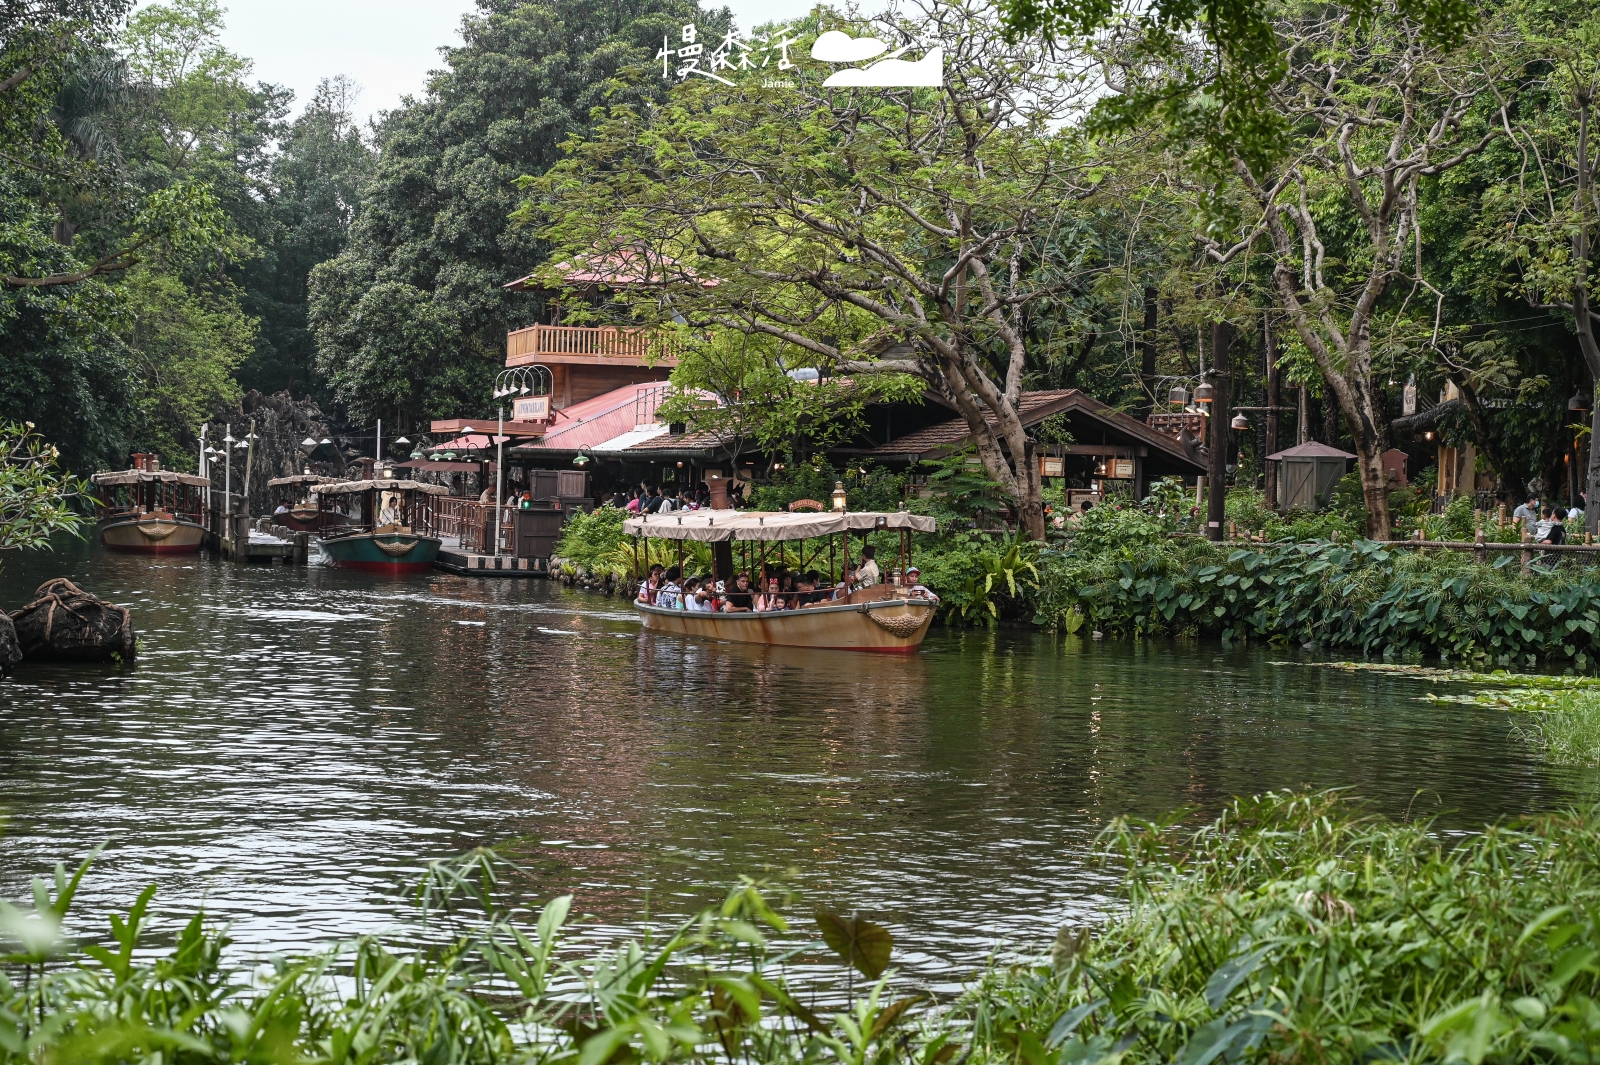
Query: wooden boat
389	527
883	617
150	511
301	514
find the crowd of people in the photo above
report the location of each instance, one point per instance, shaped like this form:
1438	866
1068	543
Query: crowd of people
654	499
1547	524
776	588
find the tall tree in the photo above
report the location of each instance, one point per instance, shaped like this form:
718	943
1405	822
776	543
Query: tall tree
410	319
1377	112
873	231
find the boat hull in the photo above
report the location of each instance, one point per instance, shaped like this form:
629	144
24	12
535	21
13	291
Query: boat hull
152	536
297	520
394	554
899	627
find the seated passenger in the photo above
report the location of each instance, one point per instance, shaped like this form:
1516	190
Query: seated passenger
915	589
773	599
740	599
650	585
807	587
690	600
669	593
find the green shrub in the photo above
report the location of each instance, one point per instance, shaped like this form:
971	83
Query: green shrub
592	540
1362	597
1293	929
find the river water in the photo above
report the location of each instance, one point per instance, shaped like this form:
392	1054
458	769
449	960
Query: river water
295	743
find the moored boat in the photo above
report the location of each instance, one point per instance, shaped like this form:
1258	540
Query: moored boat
150	511
295	510
883	617
388	527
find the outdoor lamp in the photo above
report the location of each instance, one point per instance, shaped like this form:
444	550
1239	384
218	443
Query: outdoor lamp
1204	394
228	439
400	441
580	459
468	430
1578	402
838	496
680	464
309	444
1428	435
240	446
324	440
1179	396
1240	422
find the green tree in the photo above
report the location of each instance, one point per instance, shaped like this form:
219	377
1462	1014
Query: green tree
432	243
1377	114
878	232
35	498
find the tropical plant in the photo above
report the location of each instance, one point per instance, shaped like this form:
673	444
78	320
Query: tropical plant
35	498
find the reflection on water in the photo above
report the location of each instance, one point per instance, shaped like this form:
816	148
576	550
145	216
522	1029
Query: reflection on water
294	742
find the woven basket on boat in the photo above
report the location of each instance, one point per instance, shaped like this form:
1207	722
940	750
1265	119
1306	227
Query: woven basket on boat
901	625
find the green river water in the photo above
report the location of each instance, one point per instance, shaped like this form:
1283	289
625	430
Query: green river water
294	743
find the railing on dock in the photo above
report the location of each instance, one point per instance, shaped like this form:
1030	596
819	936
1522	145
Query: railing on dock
472	523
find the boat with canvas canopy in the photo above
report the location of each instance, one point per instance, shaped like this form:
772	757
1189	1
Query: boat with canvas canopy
298	510
881	617
387	526
150	511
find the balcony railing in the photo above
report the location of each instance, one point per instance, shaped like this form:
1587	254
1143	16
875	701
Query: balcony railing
601	342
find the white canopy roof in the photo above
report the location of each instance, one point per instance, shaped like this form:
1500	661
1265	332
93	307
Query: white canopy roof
138	476
382	484
717	525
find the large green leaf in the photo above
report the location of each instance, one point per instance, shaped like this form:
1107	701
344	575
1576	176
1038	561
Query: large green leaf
862	944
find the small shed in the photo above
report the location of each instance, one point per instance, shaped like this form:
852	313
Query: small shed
1307	475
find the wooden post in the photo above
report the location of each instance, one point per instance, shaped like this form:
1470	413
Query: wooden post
1479	552
1222	401
1527	554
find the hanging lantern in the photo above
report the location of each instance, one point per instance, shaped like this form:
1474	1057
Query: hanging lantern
1240	422
1204	394
838	496
1578	402
1179	396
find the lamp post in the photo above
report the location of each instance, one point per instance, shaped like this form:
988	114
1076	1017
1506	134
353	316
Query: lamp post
499	474
227	467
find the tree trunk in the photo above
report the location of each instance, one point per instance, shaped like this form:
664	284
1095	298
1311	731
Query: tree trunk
1270	469
1147	353
1582	322
1222	402
1362	420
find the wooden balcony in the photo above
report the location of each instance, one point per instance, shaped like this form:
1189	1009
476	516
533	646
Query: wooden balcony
604	345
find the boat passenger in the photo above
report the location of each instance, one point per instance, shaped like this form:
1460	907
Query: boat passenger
773	599
650	585
867	574
741	599
915	589
807	587
690	599
668	594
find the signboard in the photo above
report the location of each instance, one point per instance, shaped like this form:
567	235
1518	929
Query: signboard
531	409
1052	466
1122	469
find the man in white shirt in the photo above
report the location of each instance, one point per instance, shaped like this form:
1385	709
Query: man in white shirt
867	573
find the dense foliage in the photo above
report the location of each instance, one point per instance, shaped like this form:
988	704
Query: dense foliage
35	498
1291	927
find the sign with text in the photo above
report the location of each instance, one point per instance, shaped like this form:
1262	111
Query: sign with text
531	409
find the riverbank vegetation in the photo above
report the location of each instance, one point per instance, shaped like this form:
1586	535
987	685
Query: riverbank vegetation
1290	926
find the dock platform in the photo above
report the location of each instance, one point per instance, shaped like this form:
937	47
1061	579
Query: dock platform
469	564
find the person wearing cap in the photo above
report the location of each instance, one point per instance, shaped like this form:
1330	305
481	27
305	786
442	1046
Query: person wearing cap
915	589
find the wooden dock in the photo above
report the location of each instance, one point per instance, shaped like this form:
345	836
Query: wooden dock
234	541
471	564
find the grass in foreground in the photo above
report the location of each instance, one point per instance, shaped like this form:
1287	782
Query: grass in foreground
1291	929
